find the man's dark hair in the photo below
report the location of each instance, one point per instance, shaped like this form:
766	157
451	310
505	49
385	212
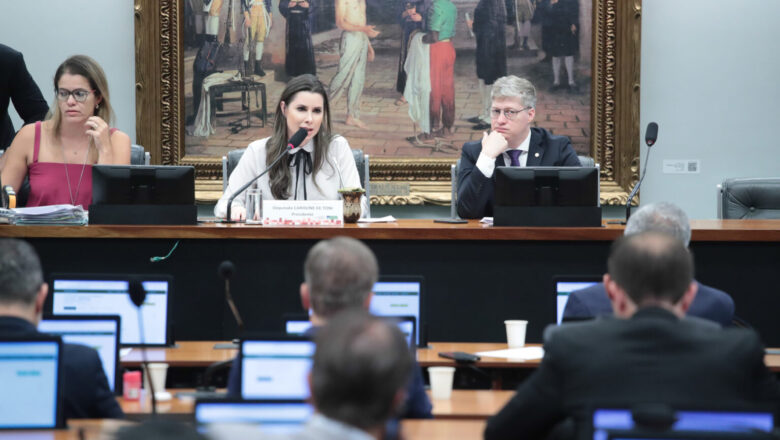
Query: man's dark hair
360	364
21	275
340	273
651	266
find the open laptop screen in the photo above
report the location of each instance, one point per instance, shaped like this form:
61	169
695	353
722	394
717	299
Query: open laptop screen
299	325
686	420
30	378
400	296
270	416
275	368
98	332
109	295
563	286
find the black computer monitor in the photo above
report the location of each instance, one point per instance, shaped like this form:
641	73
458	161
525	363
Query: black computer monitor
143	195
547	196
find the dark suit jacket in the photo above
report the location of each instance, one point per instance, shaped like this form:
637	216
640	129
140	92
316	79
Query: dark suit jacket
475	191
17	85
87	395
709	303
654	357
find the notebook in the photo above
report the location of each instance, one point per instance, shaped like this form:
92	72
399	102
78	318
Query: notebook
269	416
79	294
275	367
98	332
31	378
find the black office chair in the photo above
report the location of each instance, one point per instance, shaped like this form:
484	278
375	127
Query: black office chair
750	198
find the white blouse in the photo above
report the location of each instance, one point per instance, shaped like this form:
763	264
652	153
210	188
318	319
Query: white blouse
337	171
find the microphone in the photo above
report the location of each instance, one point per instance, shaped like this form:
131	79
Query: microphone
294	142
138	296
651	134
226	270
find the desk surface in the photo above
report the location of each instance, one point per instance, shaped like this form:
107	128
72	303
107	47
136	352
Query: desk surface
203	354
405	229
436	429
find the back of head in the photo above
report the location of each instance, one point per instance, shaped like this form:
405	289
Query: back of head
340	273
662	217
158	430
360	365
512	86
20	272
651	267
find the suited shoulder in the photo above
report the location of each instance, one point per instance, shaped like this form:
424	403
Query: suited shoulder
547	137
472	148
77	356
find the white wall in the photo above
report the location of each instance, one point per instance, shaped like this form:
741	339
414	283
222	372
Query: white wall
711	79
48	31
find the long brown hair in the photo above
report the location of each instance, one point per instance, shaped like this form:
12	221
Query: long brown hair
280	176
91	70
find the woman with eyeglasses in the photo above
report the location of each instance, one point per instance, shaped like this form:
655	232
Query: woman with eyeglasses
57	154
315	170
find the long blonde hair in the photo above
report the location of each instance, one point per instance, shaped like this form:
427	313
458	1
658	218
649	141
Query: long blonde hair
91	70
280	176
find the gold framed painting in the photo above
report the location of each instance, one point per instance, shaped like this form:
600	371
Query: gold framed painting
592	97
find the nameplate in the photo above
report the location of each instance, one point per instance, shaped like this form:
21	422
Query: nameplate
303	212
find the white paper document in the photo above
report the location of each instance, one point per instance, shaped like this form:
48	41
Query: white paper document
487	220
525	353
385	219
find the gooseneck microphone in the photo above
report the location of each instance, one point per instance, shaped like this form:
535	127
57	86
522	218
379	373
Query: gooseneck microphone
137	294
651	134
294	142
226	270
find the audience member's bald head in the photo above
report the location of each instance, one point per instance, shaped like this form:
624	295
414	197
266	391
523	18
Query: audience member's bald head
339	274
651	267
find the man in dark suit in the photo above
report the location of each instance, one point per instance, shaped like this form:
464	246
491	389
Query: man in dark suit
17	85
650	353
710	303
339	274
511	142
22	294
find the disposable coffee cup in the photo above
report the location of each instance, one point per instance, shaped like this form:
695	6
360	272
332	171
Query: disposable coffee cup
515	333
254	206
441	382
157	372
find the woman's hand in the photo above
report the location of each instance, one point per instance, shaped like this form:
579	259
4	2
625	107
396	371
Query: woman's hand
238	213
98	130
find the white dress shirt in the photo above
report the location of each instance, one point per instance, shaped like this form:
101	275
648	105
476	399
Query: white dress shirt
337	171
488	165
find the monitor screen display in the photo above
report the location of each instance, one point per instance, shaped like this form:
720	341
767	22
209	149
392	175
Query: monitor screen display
547	186
100	333
564	286
299	327
270	416
29	374
275	369
687	420
143	185
104	295
397	297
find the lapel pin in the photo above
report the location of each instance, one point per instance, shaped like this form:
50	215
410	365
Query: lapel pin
536	154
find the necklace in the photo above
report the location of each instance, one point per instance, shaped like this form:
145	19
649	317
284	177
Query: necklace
67	175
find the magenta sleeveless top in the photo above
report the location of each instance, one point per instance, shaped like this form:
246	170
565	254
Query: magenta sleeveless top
49	182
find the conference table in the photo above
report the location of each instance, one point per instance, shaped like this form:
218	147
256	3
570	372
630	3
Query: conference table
475	275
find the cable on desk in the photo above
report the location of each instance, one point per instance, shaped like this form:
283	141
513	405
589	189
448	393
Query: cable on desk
156	259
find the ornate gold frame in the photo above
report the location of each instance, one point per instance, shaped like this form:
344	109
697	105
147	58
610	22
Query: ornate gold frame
614	107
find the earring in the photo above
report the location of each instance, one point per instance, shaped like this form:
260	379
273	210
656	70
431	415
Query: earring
97	106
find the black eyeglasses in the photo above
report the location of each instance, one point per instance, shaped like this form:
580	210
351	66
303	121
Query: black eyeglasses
509	113
79	95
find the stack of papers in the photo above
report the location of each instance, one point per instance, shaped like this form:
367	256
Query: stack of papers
50	215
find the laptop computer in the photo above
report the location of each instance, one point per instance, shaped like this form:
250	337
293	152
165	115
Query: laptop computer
268	415
85	294
712	420
275	367
31	374
299	324
563	285
401	295
98	332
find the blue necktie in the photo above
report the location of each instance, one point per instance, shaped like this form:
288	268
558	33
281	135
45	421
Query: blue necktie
514	156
